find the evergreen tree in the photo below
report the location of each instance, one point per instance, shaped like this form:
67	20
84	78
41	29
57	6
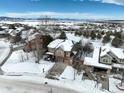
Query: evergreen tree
86	34
62	35
93	35
106	38
99	36
88	48
109	33
78	33
102	32
12	26
46	40
116	42
77	46
117	34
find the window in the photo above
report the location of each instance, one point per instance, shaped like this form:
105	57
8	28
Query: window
67	54
105	60
122	60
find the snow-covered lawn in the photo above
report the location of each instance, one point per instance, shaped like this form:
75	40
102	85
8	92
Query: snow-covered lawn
20	57
21	63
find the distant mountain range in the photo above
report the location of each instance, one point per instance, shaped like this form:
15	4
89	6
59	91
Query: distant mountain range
12	19
59	19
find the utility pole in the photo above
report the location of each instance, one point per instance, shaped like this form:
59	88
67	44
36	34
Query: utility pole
74	74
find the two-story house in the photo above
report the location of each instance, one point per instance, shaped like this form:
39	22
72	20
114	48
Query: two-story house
110	55
34	42
61	50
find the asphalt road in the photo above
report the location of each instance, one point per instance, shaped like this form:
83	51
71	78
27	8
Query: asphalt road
14	86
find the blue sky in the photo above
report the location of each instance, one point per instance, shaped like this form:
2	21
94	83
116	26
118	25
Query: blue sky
83	9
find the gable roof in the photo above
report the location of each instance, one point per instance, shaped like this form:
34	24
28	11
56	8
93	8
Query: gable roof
32	36
55	43
94	61
72	37
66	45
116	51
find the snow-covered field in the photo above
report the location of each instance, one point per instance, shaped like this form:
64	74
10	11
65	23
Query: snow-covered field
35	23
30	23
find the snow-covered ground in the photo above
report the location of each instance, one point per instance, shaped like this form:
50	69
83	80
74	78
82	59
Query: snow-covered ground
35	23
84	86
4	50
68	73
30	23
33	72
113	82
21	63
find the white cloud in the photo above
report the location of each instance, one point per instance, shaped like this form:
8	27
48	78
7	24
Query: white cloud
118	2
60	15
78	0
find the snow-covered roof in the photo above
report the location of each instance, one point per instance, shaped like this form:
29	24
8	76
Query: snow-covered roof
118	65
94	61
10	31
117	51
104	51
66	45
2	32
49	53
13	32
5	27
55	43
72	37
33	36
24	34
20	28
31	31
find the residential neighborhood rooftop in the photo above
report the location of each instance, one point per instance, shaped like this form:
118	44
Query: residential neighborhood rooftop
94	61
117	51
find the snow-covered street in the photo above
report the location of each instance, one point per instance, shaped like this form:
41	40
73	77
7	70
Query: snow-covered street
21	86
